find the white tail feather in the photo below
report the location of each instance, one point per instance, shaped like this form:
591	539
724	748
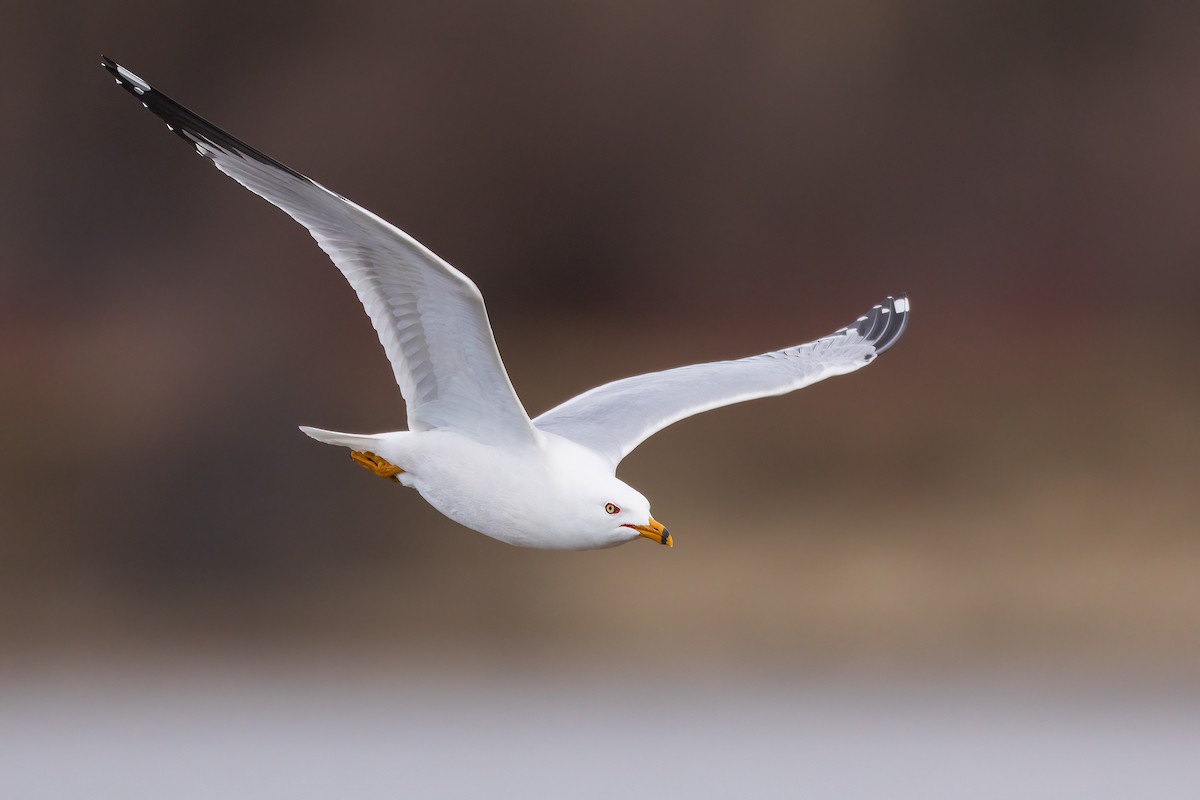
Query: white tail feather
355	441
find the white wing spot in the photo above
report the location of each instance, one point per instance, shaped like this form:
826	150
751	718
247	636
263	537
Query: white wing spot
139	85
901	304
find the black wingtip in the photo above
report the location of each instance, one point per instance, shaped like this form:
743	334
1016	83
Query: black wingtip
885	323
187	124
882	326
126	79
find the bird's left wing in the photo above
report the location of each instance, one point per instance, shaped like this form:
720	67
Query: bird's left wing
429	316
615	418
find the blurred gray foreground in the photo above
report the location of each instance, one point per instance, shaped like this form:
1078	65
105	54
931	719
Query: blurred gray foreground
278	731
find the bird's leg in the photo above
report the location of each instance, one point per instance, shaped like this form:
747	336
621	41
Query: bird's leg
380	466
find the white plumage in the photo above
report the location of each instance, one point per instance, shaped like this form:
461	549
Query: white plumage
470	448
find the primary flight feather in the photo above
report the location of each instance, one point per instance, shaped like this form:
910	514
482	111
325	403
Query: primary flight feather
471	450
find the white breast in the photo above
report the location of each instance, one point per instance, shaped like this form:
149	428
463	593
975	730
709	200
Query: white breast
525	496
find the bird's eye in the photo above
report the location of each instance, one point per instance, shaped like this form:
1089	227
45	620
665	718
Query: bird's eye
610	508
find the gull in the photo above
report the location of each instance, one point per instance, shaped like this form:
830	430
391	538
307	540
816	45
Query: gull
471	450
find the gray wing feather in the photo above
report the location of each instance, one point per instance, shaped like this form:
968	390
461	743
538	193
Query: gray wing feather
615	418
430	318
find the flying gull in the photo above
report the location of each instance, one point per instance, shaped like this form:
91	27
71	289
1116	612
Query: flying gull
471	450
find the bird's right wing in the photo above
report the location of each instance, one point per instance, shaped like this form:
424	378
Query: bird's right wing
429	316
614	418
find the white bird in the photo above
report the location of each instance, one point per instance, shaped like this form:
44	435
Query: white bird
471	450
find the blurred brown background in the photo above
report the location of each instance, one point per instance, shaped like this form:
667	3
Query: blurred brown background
633	187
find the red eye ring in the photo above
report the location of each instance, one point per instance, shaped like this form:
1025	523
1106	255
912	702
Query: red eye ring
612	509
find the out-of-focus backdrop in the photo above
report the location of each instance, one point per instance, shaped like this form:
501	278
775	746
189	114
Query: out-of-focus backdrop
1006	502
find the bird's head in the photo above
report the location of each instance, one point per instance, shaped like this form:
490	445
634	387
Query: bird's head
624	513
593	507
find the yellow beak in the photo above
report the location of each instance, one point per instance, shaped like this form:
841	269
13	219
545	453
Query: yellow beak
655	532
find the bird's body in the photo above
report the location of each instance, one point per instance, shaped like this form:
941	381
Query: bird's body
526	495
471	450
